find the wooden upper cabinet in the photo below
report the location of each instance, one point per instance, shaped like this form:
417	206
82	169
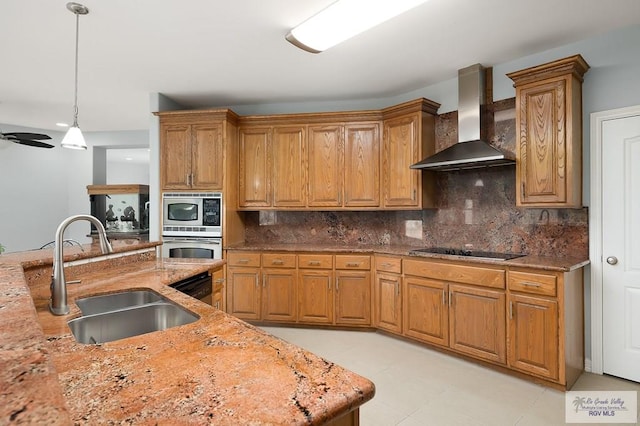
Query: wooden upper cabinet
192	149
175	156
289	166
254	168
334	160
549	129
362	165
326	147
206	156
409	136
401	149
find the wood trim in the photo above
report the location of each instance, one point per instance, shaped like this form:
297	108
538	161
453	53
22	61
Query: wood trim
575	65
117	189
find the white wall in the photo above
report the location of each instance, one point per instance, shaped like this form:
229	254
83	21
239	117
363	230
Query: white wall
33	192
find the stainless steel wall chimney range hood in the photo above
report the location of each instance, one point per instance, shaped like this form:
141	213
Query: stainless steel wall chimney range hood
471	151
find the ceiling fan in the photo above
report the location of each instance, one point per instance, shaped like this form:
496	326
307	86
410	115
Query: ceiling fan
31	139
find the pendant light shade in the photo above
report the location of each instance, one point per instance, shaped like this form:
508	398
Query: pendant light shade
343	20
74	139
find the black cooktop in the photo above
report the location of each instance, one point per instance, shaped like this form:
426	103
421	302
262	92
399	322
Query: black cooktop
468	253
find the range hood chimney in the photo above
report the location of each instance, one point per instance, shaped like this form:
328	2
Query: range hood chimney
471	151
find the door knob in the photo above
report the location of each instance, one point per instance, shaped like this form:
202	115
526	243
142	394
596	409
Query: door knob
612	260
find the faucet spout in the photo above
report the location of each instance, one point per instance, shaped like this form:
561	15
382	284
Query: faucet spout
58	304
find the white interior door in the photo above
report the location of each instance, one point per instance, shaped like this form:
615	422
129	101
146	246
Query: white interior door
621	247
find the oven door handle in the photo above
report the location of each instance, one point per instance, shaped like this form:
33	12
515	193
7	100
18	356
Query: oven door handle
192	240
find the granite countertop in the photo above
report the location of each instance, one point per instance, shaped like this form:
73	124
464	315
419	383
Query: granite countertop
549	263
218	369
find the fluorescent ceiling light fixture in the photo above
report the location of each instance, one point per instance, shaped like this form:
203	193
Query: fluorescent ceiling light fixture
343	20
62	125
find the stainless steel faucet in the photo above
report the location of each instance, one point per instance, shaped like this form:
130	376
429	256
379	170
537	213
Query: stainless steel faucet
58	304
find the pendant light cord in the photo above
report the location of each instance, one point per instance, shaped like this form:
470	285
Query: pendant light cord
75	97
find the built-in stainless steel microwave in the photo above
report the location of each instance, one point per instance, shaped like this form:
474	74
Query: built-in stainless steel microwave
192	214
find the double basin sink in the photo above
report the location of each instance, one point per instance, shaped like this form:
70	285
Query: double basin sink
110	317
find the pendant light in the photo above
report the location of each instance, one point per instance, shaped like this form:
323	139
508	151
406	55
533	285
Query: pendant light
74	139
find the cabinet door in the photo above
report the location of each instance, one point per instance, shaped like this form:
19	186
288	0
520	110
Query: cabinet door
533	335
388	303
362	165
426	314
543	166
315	296
288	153
353	297
243	292
325	166
175	156
206	157
477	323
401	150
279	295
254	181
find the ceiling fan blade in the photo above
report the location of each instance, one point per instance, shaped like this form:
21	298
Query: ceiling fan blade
37	136
32	143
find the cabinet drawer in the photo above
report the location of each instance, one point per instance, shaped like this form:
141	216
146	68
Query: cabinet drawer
529	282
315	261
476	275
278	260
389	264
353	262
240	258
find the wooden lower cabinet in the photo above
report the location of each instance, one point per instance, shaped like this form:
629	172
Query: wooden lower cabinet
315	296
243	292
527	320
279	295
533	335
426	313
353	298
477	324
388	302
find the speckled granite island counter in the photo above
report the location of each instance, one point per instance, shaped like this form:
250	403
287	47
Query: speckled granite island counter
217	370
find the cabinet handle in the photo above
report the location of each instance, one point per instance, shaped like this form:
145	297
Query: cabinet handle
191	181
385	265
187	179
264	281
510	309
219	281
450	299
353	264
217	305
397	287
243	260
257	283
314	263
277	262
523	193
530	284
337	284
444	296
414	195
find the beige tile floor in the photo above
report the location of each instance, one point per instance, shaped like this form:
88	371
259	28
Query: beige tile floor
418	386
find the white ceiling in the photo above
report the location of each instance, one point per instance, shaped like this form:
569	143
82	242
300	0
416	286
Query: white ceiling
220	53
